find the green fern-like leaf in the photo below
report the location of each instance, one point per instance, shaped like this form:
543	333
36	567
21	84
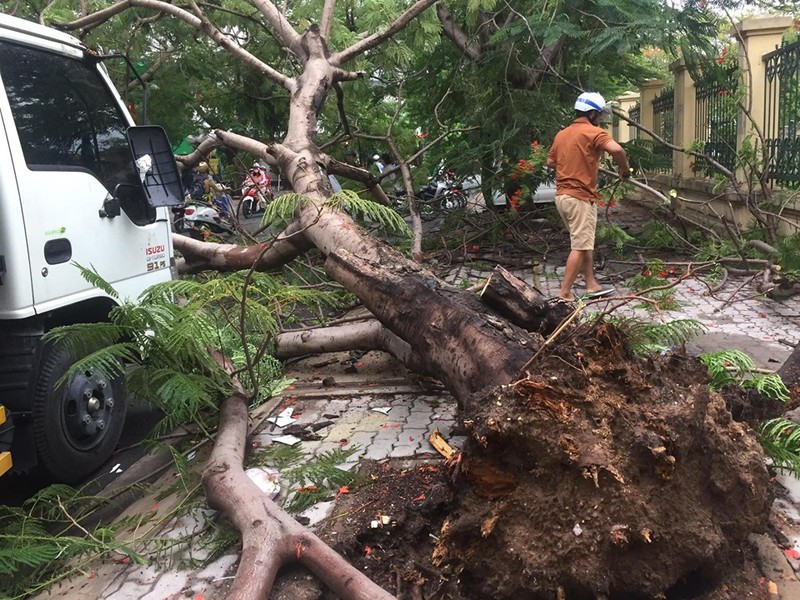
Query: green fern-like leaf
645	337
318	479
359	207
770	385
82	339
780	439
93	277
727	366
282	208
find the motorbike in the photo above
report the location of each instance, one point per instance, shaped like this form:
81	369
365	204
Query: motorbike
256	191
443	194
199	218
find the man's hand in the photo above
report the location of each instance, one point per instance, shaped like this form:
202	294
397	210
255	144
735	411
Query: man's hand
625	173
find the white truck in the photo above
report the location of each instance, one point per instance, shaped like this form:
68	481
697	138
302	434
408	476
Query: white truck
79	185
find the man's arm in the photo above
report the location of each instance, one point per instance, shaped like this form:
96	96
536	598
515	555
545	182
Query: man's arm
551	160
618	154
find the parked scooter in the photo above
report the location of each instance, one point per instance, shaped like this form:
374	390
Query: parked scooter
256	191
207	207
444	193
199	219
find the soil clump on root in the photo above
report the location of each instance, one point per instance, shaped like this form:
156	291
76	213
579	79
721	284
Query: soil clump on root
598	475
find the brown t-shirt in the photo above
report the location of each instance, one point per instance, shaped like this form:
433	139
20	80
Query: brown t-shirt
575	154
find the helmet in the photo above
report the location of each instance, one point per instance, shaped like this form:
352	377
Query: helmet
376	157
202	167
350	152
590	101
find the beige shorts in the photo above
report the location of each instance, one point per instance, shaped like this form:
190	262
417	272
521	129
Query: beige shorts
580	217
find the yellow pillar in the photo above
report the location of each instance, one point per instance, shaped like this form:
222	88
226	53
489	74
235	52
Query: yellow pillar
624	103
684	115
757	37
649	90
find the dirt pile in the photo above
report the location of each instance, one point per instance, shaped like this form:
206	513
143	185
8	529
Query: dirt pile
601	474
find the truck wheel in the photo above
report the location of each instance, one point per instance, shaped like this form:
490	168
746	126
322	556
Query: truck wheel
76	425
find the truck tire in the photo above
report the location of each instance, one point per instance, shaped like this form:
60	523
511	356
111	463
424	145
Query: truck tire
76	425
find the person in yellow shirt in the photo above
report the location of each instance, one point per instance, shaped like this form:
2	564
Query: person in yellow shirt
575	157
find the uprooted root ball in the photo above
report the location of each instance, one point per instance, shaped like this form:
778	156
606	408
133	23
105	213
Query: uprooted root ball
601	473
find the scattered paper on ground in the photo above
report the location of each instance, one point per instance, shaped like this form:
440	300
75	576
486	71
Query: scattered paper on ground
284	418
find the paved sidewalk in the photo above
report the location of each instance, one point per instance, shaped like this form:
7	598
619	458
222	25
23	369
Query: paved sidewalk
372	405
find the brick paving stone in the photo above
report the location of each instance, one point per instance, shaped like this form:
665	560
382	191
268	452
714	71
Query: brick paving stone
418	420
414	437
362	439
336	406
327	446
403	451
443	425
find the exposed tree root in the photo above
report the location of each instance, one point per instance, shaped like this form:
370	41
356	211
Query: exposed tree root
270	537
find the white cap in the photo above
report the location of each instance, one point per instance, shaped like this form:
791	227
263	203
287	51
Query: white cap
590	101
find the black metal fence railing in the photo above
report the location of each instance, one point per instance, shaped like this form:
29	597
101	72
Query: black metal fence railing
635	114
663	126
782	115
716	115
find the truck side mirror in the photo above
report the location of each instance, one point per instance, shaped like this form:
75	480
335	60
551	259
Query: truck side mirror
111	208
155	166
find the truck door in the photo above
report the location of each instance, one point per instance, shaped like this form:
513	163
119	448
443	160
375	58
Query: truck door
69	152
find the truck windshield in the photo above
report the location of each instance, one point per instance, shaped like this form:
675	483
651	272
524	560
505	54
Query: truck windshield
66	117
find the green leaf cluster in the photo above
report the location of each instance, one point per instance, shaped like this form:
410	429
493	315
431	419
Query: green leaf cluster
309	481
163	344
737	367
38	544
388	219
780	439
645	338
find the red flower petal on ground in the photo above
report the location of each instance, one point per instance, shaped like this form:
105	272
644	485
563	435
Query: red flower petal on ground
343	490
792	553
419	498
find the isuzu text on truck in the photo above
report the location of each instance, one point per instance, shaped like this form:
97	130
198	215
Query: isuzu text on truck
79	185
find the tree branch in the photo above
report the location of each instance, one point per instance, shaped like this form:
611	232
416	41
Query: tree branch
272	153
458	36
327	18
200	24
284	31
364	335
378	38
335	167
200	256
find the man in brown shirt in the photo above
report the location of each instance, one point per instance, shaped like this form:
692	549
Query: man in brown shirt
575	157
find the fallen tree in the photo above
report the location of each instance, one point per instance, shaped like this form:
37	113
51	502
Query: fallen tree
610	430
